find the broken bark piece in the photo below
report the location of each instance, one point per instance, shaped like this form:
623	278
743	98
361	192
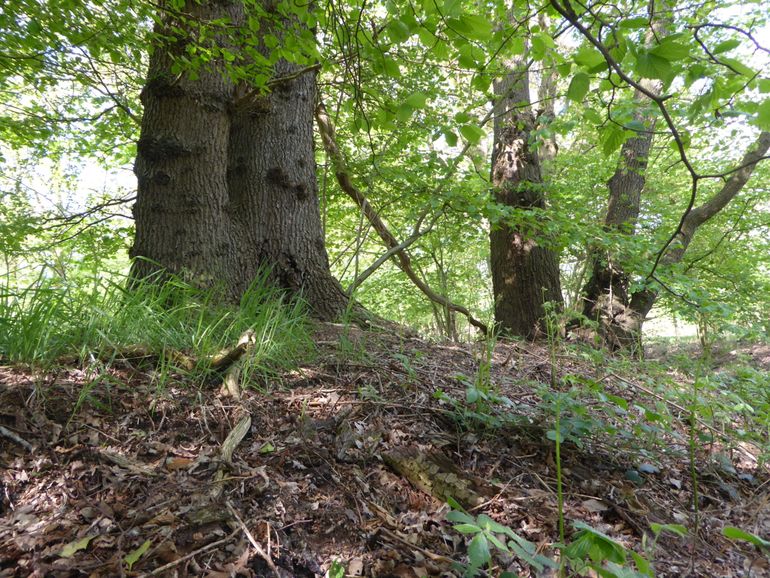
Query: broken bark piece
435	474
226	358
226	453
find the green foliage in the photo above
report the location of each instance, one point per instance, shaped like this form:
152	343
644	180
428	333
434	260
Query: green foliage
486	534
409	85
737	534
590	548
50	319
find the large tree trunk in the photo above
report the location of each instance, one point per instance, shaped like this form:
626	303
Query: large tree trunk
525	275
226	180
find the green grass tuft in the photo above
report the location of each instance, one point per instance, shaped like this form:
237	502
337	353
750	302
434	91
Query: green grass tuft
50	320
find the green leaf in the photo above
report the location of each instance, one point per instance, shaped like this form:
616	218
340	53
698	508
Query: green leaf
677	529
739	67
467	528
552	435
427	38
461	517
468	56
452	7
491	525
633	23
404	112
589	58
764	85
481	82
70	549
398	31
726	46
612	137
763	115
451	138
517	46
337	570
578	87
496	543
670	50
133	557
478	550
416	99
472	133
737	534
642	564
391	67
476	26
592	116
651	65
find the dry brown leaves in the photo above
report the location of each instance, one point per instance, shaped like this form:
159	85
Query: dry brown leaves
120	478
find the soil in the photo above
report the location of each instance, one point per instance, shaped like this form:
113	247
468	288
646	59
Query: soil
106	474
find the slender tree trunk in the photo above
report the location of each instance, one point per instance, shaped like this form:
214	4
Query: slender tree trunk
643	301
227	180
525	275
606	299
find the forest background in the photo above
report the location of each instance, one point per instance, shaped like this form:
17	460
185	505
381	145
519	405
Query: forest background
510	177
409	89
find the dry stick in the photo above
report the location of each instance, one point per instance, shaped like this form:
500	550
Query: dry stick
16	438
191	554
428	553
346	184
257	547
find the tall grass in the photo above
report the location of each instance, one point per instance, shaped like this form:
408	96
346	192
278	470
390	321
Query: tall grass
49	320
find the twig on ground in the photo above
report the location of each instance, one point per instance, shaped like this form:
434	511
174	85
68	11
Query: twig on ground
16	438
254	543
205	548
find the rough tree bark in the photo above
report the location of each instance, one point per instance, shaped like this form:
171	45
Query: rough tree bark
525	274
226	177
606	299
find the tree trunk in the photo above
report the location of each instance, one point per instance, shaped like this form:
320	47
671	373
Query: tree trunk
226	180
525	275
643	301
605	295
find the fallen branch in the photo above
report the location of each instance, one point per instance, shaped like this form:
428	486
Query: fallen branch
226	358
226	453
326	128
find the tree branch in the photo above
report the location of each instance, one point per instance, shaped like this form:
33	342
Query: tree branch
328	138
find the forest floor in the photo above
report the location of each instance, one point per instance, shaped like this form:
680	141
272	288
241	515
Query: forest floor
343	459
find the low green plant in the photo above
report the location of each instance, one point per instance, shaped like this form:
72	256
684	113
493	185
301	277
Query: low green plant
594	550
480	408
486	534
